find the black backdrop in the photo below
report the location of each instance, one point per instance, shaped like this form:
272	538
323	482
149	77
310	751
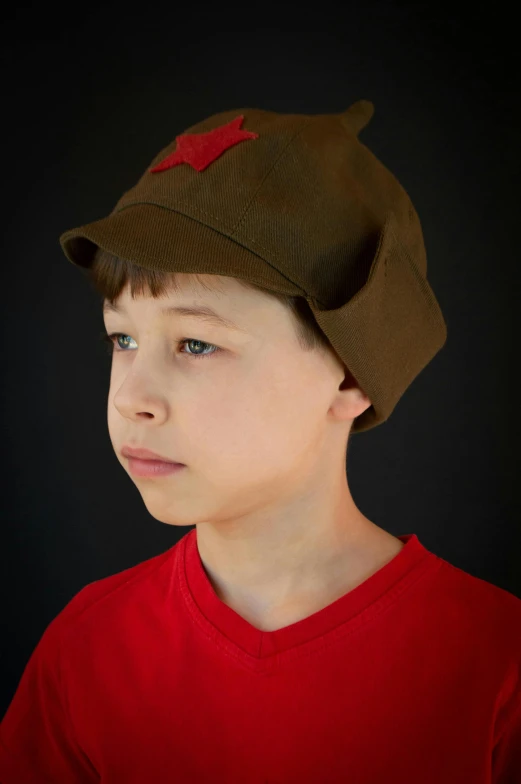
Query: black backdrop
88	100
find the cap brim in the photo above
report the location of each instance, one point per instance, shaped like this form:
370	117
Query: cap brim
158	238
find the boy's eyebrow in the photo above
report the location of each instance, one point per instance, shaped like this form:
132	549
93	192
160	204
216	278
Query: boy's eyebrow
203	312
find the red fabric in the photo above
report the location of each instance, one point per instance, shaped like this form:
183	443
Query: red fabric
201	149
147	676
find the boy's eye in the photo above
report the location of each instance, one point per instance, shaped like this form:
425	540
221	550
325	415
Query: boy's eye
115	344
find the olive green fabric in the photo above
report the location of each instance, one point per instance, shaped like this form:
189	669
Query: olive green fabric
303	207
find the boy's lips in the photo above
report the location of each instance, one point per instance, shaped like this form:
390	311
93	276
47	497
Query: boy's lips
145	454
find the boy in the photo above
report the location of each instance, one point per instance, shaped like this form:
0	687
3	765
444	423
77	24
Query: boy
286	637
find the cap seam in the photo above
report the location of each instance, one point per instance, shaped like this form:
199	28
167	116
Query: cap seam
297	133
172	209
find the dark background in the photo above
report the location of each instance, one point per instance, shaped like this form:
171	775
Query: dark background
89	97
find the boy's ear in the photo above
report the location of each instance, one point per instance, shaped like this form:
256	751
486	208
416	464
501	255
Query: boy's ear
350	382
356	402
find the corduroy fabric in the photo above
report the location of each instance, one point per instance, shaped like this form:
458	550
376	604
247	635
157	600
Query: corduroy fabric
305	209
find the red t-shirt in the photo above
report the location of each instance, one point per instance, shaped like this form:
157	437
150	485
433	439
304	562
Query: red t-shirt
147	677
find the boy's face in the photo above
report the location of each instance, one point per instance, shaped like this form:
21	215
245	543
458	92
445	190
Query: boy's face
252	422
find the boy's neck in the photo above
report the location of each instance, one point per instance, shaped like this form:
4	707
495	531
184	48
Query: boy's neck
335	577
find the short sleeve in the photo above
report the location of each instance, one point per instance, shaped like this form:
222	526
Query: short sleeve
37	741
506	766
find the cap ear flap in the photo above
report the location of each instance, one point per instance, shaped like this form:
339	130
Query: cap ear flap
389	330
357	116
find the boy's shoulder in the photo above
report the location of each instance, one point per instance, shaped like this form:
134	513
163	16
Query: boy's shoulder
472	587
460	596
472	604
462	605
109	595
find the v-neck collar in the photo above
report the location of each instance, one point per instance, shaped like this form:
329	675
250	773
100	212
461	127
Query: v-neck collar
256	649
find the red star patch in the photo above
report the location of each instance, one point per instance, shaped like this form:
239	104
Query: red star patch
201	149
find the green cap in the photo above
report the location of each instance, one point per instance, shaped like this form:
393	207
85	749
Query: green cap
297	204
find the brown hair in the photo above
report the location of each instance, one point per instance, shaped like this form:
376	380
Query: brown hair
110	274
